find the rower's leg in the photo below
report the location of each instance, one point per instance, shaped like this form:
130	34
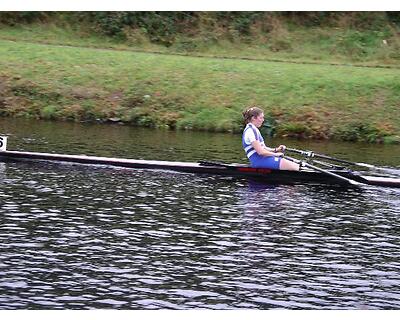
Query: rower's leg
288	165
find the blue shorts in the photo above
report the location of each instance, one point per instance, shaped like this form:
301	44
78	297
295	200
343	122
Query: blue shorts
257	161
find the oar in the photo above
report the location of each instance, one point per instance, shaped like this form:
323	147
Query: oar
339	177
328	165
311	154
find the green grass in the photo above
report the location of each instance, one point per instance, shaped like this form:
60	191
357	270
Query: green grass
304	100
331	45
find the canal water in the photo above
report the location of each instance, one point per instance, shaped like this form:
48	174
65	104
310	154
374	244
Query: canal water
88	237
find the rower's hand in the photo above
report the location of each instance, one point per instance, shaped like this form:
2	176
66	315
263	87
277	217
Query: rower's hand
281	148
279	154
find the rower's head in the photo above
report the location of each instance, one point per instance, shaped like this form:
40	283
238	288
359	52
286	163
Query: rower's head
254	115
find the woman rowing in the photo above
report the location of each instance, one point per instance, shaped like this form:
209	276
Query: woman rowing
259	154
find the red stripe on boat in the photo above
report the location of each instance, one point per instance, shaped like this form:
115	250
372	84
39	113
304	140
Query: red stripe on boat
257	170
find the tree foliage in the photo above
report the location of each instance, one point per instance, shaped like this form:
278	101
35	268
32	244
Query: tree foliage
164	27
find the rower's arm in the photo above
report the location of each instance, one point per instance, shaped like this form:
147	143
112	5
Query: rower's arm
263	151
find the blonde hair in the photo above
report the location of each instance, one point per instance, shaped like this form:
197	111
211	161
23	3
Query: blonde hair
251	112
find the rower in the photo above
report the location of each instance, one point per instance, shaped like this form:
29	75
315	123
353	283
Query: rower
259	154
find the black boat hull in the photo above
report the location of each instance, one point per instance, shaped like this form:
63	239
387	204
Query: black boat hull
235	170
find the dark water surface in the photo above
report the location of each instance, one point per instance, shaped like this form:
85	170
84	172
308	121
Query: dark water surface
84	237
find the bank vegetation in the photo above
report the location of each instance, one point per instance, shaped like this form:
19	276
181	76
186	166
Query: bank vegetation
317	75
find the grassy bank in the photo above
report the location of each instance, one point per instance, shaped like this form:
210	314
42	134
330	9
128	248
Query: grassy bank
328	45
301	100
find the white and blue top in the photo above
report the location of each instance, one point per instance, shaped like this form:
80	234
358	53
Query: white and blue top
250	134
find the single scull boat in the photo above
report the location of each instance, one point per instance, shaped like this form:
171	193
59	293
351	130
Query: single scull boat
305	175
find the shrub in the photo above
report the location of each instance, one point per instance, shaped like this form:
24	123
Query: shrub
49	112
23	17
391	140
294	129
359	131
